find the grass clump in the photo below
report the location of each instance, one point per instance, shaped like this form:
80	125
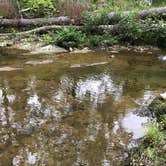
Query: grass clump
154	134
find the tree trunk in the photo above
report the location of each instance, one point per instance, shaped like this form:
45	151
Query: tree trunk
34	22
155	12
44	29
113	17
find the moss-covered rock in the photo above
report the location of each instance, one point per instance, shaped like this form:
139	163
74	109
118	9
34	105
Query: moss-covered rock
158	107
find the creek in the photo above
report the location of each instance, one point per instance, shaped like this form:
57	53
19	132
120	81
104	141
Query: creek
75	109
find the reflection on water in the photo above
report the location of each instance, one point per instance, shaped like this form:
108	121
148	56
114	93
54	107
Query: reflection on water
162	57
85	115
134	124
97	89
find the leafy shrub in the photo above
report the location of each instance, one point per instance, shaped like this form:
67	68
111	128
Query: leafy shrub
155	33
69	37
101	40
148	31
130	30
94	40
39	8
91	20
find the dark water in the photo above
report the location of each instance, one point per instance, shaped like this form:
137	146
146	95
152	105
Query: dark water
78	110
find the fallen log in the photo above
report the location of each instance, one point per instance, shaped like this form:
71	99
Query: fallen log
113	17
45	29
63	20
154	12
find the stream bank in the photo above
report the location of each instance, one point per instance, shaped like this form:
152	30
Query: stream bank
151	150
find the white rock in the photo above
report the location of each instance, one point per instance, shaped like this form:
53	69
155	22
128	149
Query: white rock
163	95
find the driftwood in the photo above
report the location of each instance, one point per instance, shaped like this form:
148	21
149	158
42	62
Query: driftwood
113	17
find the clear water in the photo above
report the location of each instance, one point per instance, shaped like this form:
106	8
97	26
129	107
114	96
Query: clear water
77	110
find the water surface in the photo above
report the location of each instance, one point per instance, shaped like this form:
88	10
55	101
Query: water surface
79	109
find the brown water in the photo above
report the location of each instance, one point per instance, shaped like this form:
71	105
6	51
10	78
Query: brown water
77	110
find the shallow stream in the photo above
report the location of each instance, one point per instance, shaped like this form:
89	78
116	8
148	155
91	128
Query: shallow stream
75	109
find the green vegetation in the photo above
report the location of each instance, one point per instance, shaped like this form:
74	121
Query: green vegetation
153	134
47	38
69	37
93	13
148	31
39	8
73	38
